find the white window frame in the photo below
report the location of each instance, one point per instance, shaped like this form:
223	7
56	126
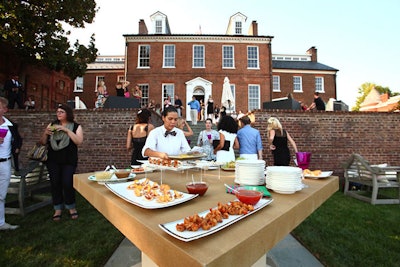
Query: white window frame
253	57
168	89
120	78
276	83
98	79
238	27
144	60
158	26
228	61
319	84
253	93
297	84
144	100
199	60
169	56
78	84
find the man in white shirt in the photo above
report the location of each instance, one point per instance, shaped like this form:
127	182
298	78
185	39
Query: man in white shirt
10	144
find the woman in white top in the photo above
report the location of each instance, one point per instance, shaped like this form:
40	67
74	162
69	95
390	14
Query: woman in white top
166	139
206	138
227	128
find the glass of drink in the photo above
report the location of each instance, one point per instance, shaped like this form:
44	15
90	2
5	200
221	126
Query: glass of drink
3	132
209	136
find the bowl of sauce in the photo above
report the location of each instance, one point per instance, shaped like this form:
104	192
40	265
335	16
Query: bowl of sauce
197	188
248	196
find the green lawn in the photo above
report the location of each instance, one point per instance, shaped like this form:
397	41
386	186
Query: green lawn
342	232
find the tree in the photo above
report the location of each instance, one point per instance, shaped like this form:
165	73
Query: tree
365	89
34	29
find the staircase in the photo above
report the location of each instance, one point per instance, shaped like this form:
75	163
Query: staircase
196	130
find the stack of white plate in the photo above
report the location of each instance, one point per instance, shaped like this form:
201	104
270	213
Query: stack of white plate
284	180
249	172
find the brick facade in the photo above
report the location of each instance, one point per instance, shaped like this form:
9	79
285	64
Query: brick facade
330	136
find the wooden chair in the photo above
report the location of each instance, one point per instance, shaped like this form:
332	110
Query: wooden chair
30	185
370	178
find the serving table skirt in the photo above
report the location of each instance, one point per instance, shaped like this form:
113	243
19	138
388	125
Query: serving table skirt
240	244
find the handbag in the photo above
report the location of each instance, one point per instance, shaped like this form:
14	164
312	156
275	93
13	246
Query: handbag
38	152
227	144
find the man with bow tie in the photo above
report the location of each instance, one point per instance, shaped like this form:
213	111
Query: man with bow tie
166	139
14	91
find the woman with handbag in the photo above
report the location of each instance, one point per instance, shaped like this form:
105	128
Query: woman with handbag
63	136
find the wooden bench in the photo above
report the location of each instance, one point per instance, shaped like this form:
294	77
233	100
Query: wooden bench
370	179
31	187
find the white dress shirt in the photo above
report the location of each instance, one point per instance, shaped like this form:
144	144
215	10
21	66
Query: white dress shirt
172	145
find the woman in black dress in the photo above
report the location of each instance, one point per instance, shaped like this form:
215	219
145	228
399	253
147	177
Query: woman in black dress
137	135
278	142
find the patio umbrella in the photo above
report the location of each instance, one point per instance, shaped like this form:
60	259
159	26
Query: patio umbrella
227	94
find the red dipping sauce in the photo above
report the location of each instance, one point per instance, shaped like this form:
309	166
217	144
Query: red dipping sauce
197	188
249	196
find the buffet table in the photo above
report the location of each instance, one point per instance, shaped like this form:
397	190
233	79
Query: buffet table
244	243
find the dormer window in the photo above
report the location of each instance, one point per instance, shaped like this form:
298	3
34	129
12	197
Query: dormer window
236	24
160	23
159	26
238	27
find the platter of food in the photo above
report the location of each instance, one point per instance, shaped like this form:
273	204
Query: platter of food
316	174
167	164
148	194
229	166
110	179
211	221
139	169
188	156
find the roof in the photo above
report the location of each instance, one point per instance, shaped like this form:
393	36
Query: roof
300	65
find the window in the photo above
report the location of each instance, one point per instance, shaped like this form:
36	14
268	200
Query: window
319	84
98	80
297	84
169	56
233	90
254	96
276	83
144	56
120	78
144	101
198	56
252	57
158	26
168	91
228	56
238	27
78	84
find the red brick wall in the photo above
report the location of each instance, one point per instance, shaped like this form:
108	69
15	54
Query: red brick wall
330	136
155	76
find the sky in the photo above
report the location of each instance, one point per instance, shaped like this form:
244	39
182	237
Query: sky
360	38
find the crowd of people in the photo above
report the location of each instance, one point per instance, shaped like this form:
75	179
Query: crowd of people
63	135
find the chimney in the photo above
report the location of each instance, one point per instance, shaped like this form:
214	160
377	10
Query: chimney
254	28
142	27
313	52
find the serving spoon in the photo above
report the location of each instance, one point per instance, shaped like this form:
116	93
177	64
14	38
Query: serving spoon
231	188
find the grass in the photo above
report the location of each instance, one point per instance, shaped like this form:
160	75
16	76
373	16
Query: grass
342	232
348	232
88	241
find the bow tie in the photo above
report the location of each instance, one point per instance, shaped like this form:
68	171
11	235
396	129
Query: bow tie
173	133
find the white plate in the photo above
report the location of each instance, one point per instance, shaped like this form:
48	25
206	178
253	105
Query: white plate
170	228
146	169
322	175
283	192
112	179
121	190
188	156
